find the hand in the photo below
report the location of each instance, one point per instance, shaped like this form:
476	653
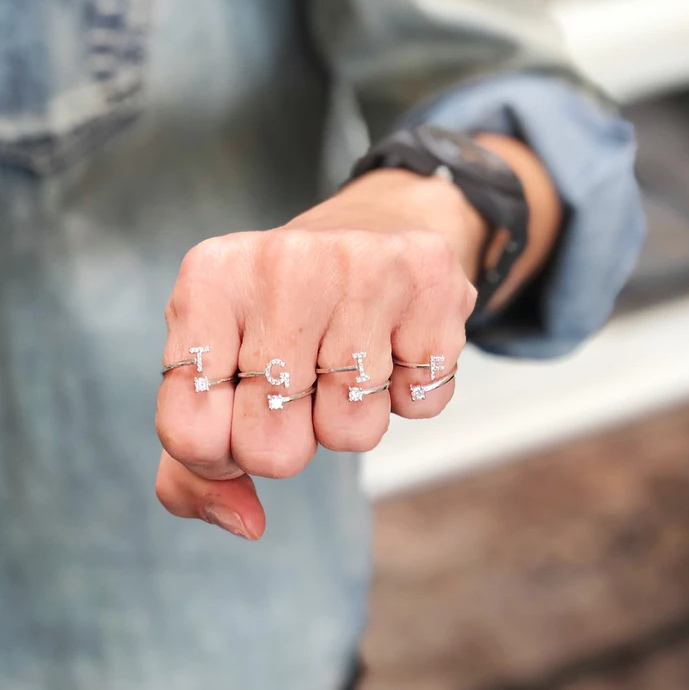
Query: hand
384	267
370	270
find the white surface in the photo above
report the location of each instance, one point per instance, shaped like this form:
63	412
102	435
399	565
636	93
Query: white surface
631	48
505	408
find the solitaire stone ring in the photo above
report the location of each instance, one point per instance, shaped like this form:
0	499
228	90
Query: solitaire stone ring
418	391
356	394
204	384
278	402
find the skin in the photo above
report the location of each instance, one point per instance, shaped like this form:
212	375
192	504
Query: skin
386	266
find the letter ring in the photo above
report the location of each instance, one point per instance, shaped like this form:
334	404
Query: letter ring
278	402
281	380
356	394
197	360
437	363
204	384
418	391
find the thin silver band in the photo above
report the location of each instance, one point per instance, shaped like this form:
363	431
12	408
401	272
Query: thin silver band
199	352
251	374
229	379
409	365
276	402
338	370
298	396
357	394
177	365
377	389
436	364
203	384
418	392
281	380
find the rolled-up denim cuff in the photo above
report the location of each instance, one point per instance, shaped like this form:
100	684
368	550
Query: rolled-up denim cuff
590	154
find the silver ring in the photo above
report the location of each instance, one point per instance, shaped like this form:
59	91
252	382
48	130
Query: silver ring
204	384
199	352
357	394
436	364
338	370
359	357
418	392
277	402
282	380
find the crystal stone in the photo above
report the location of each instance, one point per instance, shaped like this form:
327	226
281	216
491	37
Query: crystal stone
356	395
202	385
417	393
275	402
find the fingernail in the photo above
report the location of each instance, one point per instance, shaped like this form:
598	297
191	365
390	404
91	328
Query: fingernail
226	519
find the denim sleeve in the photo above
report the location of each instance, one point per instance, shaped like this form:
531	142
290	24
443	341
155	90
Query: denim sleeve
590	154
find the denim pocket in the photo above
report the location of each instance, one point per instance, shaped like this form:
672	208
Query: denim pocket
71	75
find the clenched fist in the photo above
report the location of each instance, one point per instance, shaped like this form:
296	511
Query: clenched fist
384	268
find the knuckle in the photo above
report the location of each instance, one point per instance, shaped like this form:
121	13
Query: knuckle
470	297
433	253
274	462
204	454
203	259
283	255
392	250
427	410
356	245
347	254
171	311
200	266
286	249
352	438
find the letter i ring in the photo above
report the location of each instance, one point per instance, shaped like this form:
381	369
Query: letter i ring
356	393
418	391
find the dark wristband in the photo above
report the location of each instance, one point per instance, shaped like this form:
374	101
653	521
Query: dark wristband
485	180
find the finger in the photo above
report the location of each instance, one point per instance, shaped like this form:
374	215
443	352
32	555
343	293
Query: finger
433	326
195	427
361	325
232	505
286	323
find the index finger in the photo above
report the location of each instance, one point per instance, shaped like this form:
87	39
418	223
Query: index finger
194	412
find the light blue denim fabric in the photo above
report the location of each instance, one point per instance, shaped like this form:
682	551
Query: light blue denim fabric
590	155
99	587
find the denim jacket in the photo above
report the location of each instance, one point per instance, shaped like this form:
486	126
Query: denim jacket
129	132
73	73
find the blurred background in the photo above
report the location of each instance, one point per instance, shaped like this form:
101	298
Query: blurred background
536	536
